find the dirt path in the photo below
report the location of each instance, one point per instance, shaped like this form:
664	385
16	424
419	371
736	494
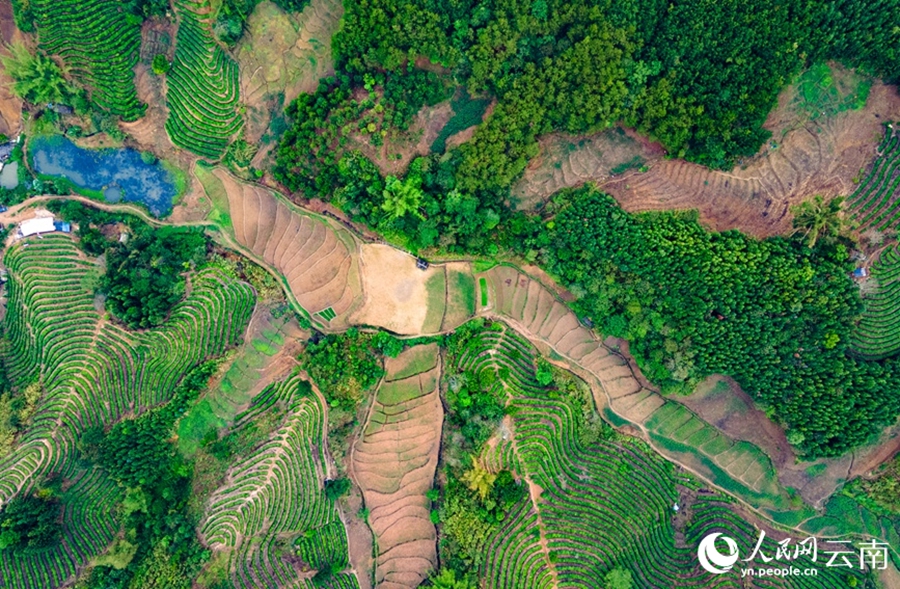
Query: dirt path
534	495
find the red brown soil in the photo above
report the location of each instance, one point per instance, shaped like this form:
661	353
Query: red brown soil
7	22
394	464
149	131
308	251
811	157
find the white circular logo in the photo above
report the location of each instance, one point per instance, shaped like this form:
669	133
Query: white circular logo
714	561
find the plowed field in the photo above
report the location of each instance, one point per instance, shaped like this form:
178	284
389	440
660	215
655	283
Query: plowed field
394	463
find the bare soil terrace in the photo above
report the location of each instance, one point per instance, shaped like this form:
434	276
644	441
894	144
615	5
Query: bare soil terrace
805	157
394	463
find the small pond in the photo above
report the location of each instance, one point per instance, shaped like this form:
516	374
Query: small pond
120	174
9	176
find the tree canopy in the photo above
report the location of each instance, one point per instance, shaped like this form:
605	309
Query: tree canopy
775	314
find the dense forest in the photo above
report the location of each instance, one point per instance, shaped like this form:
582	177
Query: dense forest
159	547
698	77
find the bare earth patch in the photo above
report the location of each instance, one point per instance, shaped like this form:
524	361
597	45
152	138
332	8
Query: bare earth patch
283	53
318	260
394	463
397	151
396	297
805	157
567	160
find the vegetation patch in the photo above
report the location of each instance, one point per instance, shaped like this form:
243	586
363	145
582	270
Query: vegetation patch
877	334
679	337
202	86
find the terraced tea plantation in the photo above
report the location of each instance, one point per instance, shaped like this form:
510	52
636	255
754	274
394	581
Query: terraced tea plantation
542	317
99	45
202	86
92	373
877	335
277	492
598	506
874	203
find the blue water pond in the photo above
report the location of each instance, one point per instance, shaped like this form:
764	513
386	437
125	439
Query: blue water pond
120	174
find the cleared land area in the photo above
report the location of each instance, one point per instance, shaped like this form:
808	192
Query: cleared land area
807	155
282	55
317	260
394	463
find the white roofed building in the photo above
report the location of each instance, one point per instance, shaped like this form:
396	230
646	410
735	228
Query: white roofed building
36	226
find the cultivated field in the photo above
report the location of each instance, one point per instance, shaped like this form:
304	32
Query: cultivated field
268	354
737	466
99	45
394	463
806	156
276	493
877	335
92	372
874	202
597	505
202	86
318	261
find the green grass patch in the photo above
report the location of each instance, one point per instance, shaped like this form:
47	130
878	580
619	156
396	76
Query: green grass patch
467	111
327	314
220	213
418	359
632	164
179	179
482	284
436	288
821	94
193	426
462	291
479	266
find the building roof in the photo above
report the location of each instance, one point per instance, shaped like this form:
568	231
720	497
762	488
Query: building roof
37	225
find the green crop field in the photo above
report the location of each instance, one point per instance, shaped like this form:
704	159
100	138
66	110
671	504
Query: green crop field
99	44
602	505
877	335
874	203
277	492
92	373
202	86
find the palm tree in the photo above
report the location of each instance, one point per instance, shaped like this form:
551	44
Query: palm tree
36	78
401	197
817	219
